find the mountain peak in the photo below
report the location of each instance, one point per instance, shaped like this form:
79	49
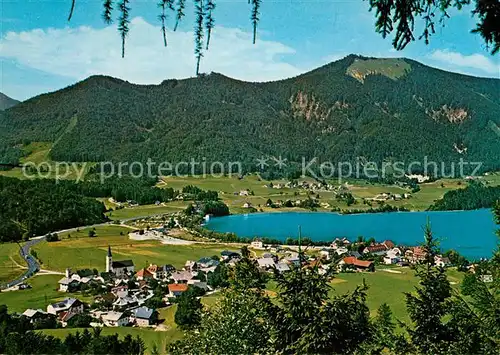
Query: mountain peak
393	68
7	102
380	110
102	79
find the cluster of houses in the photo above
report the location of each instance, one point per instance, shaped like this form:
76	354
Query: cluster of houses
390	253
306	185
270	262
63	311
282	203
414	255
385	196
348	257
123	291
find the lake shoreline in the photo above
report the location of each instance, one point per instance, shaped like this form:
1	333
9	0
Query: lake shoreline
470	232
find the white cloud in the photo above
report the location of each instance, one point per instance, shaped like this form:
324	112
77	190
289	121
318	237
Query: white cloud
80	52
460	62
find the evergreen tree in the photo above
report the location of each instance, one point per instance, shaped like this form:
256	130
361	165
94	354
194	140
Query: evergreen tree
219	277
476	319
428	304
246	273
308	321
123	22
384	330
237	324
188	313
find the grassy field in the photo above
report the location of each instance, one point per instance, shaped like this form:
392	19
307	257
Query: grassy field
149	336
146	210
493	178
80	251
9	262
37	153
43	292
391	68
229	188
384	287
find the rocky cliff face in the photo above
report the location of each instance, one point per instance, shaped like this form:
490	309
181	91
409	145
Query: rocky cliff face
452	115
307	106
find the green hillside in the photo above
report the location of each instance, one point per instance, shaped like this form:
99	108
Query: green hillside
373	109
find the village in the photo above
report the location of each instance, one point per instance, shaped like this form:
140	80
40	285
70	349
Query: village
340	192
125	294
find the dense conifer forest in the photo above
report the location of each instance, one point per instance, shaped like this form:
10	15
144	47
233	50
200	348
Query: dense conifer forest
476	195
30	208
355	109
34	207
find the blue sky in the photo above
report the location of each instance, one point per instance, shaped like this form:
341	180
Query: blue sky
40	51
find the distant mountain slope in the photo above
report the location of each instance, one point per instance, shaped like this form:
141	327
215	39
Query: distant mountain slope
6	102
352	109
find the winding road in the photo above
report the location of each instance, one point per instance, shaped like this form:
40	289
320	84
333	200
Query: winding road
33	265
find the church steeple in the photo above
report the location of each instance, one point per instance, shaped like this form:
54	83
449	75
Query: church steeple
109	260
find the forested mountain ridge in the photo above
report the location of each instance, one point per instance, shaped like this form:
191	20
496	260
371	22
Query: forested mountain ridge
6	102
374	109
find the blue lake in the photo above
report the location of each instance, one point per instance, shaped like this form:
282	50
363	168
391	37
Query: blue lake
472	233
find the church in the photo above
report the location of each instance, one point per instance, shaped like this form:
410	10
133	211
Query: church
120	267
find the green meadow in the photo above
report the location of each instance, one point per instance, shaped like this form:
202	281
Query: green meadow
229	188
383	287
386	287
38	153
44	291
11	263
229	191
149	336
77	250
144	210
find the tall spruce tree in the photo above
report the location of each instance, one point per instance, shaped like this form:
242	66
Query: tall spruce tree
427	306
246	273
476	319
188	313
237	324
